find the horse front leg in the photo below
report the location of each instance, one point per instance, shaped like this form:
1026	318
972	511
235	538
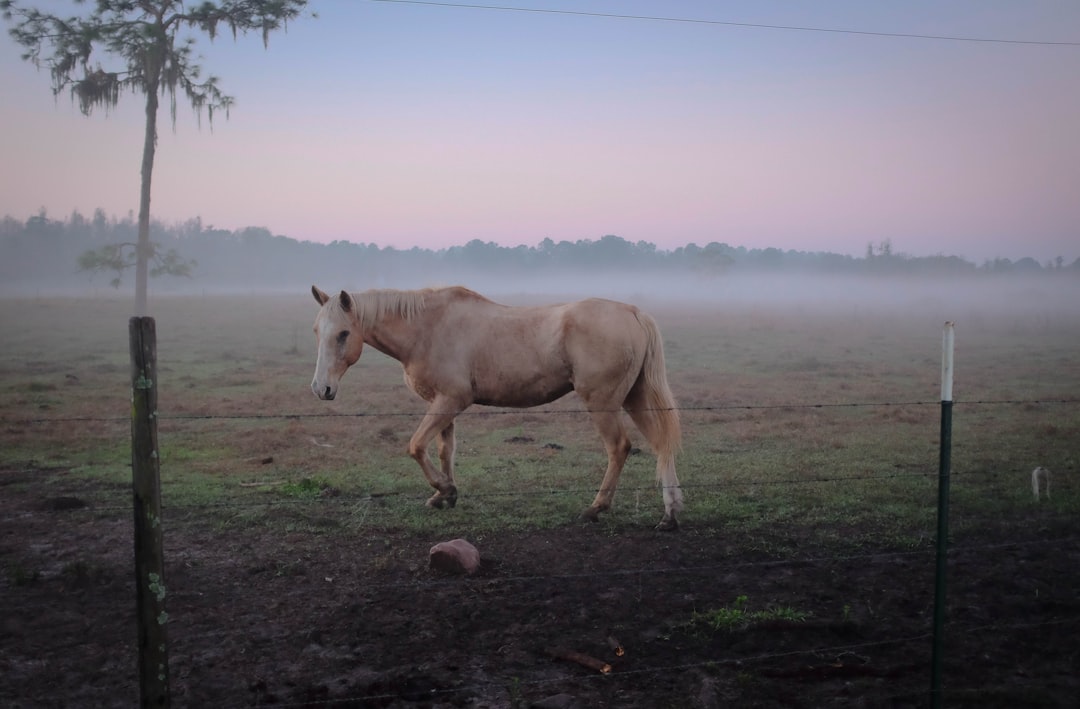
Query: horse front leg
436	422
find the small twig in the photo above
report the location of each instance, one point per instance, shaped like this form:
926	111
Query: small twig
615	645
263	483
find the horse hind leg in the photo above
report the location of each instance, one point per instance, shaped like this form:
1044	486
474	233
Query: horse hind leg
669	483
617	445
649	423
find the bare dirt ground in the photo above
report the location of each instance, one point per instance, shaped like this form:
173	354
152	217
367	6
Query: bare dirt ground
261	618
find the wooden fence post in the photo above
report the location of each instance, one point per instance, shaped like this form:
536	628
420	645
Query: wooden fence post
146	485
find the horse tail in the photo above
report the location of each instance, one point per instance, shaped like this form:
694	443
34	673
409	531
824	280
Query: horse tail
654	411
657	402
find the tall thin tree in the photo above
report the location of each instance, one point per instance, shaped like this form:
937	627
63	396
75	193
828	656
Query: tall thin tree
151	43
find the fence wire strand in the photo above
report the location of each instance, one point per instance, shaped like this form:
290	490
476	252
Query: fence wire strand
793	406
257	487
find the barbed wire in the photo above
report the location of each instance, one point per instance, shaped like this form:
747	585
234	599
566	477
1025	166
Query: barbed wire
955	550
793	406
417	584
375	496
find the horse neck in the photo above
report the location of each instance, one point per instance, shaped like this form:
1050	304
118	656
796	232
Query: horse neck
391	328
390	337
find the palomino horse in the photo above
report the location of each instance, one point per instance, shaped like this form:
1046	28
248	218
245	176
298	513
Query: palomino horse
458	348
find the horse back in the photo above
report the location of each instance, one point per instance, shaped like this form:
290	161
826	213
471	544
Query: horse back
502	355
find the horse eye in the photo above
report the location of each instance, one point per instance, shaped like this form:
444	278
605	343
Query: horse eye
342	336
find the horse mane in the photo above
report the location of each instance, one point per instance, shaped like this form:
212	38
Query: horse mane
370	306
373	305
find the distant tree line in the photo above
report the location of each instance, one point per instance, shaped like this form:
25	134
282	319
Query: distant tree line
47	253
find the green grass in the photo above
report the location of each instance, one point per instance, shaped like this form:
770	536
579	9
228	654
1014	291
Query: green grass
738	616
305	488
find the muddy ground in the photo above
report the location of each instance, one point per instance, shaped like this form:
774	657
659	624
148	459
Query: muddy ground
336	619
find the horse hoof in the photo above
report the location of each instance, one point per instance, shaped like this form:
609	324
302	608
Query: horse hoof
439	502
590	515
443	499
668	524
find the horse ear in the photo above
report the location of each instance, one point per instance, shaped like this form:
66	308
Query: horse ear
320	297
346	301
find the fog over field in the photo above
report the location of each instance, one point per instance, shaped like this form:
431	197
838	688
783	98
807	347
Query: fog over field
1011	300
1046	297
1014	295
43	257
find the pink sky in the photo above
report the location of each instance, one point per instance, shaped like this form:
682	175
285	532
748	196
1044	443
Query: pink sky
413	125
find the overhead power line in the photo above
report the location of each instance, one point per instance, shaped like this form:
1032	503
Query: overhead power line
724	23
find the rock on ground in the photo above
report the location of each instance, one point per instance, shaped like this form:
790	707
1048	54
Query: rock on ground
454	557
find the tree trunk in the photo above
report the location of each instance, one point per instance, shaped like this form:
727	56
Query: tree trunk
142	248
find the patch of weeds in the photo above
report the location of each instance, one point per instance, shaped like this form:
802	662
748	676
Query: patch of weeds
514	690
382	562
736	616
782	613
745	679
81	574
19	575
77	574
306	488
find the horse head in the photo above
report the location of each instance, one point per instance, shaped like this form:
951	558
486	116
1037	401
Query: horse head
338	337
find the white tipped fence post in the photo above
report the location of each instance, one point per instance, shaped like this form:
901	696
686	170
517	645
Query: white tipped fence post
937	659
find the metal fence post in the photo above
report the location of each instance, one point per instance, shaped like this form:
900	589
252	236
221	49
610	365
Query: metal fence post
938	656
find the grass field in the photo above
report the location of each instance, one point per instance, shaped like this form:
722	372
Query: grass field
791	414
811	426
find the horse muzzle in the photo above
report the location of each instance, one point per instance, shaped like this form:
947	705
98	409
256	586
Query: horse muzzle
326	393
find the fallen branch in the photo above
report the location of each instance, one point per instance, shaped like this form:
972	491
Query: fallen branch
591	662
266	483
